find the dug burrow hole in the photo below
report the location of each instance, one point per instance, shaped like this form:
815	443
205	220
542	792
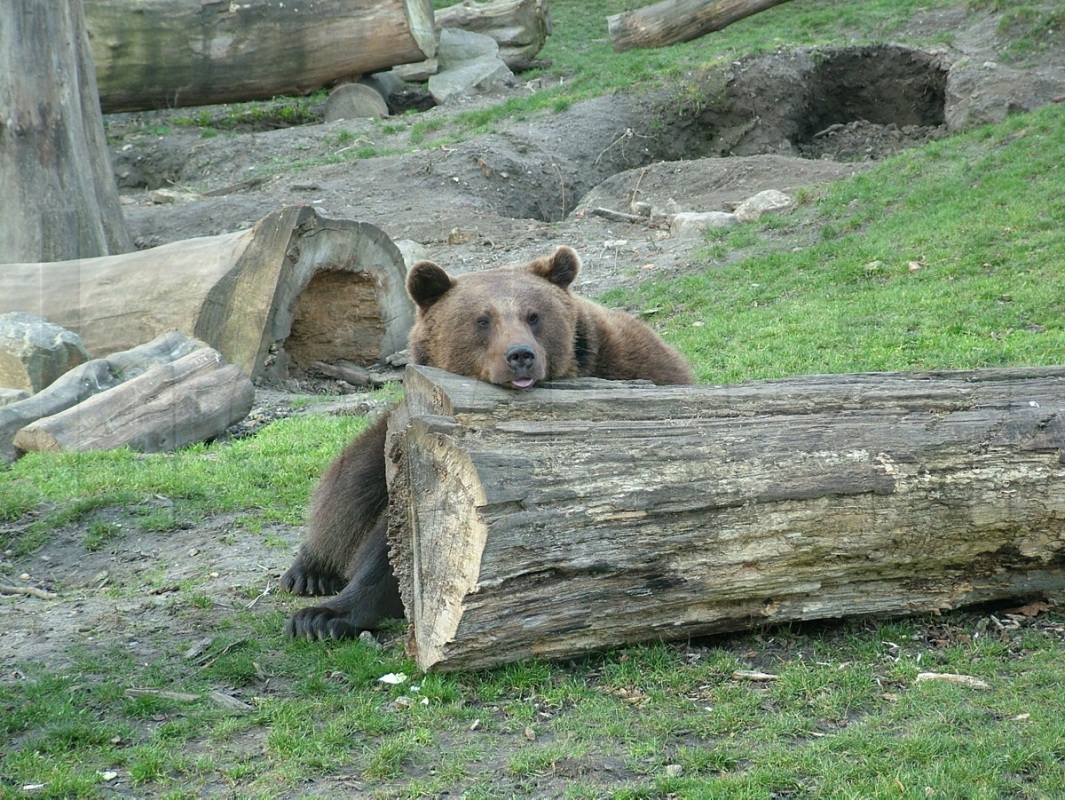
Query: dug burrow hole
843	104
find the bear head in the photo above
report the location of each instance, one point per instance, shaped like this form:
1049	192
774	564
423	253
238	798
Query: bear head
511	326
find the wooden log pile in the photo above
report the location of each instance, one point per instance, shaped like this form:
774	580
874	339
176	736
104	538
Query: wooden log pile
569	519
293	290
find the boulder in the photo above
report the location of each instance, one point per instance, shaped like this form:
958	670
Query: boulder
696	223
34	352
768	202
469	64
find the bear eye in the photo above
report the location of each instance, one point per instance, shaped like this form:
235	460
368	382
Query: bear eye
483	323
533	318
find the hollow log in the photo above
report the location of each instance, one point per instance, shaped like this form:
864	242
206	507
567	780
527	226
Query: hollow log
295	289
193	399
520	27
86	380
674	21
569	519
173	53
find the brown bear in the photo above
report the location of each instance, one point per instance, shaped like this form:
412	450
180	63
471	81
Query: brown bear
511	326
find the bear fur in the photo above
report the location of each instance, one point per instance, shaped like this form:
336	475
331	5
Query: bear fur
511	326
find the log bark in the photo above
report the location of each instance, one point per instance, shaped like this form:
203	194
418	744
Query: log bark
59	198
561	521
520	27
86	380
193	399
295	289
674	21
168	53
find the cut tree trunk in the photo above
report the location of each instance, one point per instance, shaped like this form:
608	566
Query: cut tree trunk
59	200
172	53
674	21
193	399
520	27
556	522
86	380
295	289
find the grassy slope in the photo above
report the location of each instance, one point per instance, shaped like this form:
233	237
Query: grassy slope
950	256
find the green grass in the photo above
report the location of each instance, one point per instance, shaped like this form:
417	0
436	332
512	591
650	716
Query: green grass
947	256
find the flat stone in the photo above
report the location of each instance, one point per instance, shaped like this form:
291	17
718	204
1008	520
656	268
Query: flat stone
768	202
34	352
696	223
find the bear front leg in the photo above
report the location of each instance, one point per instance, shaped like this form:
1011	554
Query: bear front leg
346	506
371	596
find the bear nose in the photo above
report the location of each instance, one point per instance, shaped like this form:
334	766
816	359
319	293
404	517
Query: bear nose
520	357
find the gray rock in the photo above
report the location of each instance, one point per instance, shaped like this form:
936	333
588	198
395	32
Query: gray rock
469	64
696	223
34	352
768	202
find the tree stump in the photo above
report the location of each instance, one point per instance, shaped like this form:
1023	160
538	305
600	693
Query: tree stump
564	520
295	289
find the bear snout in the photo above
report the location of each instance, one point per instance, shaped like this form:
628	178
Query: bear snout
522	361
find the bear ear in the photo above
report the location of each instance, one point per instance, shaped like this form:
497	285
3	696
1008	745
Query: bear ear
560	269
427	283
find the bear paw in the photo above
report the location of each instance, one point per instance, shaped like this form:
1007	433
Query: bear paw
320	623
301	580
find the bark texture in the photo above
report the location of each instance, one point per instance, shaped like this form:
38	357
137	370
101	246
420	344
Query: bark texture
173	53
59	199
561	521
673	21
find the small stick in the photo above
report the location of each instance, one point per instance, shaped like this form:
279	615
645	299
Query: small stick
31	590
618	216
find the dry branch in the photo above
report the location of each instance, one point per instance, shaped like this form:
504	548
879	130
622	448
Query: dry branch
560	521
674	21
294	289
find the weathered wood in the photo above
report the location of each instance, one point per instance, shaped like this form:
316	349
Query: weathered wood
520	27
674	21
193	399
560	521
295	289
172	53
59	199
88	379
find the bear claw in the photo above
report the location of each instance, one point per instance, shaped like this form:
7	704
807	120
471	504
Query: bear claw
320	623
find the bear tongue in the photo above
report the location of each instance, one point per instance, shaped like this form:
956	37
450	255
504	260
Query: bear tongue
523	383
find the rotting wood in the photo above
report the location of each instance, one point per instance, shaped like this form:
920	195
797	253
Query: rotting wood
293	289
565	520
193	399
675	21
86	380
171	53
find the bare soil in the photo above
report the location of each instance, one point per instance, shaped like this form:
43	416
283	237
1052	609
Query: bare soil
782	120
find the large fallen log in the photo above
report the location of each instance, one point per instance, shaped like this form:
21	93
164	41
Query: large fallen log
295	289
674	21
560	521
193	399
86	380
172	53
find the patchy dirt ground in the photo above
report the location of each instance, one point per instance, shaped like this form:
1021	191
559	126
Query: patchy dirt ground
782	120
